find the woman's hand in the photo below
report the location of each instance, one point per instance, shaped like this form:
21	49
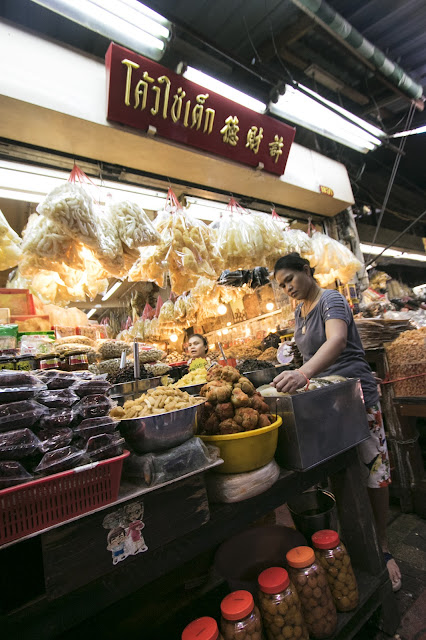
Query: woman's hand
289	381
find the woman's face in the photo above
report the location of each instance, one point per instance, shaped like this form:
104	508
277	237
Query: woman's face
196	347
295	284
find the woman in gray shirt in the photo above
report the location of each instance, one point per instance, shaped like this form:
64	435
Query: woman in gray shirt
327	337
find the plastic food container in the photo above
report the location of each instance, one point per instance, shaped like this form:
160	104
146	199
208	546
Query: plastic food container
240	617
332	555
50	363
7	362
202	629
280	606
248	450
78	362
311	584
25	363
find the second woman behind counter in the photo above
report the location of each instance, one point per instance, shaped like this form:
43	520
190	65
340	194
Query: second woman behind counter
198	347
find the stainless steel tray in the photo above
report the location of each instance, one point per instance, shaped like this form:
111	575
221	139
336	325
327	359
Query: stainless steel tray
318	425
193	389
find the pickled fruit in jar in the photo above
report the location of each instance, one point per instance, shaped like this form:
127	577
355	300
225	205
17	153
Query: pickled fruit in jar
311	584
280	606
332	555
204	628
240	617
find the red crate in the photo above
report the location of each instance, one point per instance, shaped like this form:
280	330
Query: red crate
19	301
36	505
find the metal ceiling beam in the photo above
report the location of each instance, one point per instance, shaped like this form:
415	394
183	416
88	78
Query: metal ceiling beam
390	73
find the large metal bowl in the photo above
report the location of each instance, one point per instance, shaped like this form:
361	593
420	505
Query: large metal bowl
264	376
132	390
159	432
193	389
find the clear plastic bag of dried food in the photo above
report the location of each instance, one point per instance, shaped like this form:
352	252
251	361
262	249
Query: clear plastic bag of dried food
58	399
270	243
297	241
17	415
105	445
18	444
61	460
235	487
163	467
167	313
10	245
52	438
108	349
332	260
49	244
239	239
13	473
93	406
151	266
95	426
134	227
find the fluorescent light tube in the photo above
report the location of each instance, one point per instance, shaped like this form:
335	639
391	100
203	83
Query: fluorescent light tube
224	90
91	313
127	22
411	132
299	108
113	289
373	249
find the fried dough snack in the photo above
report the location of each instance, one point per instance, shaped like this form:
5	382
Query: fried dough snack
154	402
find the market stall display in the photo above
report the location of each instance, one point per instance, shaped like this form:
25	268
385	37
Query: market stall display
407	363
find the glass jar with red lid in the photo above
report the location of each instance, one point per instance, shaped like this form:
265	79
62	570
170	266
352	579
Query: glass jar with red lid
280	606
240	617
202	629
332	555
311	584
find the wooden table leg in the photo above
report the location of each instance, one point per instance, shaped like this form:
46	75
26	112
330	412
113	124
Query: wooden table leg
356	517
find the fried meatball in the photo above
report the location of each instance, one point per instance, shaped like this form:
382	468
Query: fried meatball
247	418
245	385
258	403
239	398
229	426
224	411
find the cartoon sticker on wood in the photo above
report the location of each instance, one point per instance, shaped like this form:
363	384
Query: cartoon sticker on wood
124	536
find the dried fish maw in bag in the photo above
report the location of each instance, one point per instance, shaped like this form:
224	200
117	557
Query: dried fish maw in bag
332	260
297	241
134	228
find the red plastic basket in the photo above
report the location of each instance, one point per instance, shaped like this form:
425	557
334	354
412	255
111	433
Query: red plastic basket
31	507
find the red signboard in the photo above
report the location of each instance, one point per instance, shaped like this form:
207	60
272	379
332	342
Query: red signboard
142	93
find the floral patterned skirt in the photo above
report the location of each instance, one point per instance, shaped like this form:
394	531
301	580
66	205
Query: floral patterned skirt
374	451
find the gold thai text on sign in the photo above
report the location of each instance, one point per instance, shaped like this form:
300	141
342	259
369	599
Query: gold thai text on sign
144	94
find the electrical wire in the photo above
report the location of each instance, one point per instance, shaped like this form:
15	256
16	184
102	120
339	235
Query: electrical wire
395	240
394	171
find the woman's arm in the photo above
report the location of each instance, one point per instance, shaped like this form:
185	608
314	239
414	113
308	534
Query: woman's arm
336	332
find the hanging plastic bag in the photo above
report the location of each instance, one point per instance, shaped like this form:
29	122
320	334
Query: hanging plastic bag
297	241
239	239
10	250
134	227
332	260
71	209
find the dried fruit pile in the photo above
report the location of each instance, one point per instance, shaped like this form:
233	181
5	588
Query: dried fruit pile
233	404
407	357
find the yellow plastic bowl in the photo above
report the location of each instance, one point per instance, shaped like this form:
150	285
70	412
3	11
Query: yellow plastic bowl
246	451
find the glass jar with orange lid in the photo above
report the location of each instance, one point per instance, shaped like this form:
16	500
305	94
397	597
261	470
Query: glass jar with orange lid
332	555
311	584
240	617
202	629
280	606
